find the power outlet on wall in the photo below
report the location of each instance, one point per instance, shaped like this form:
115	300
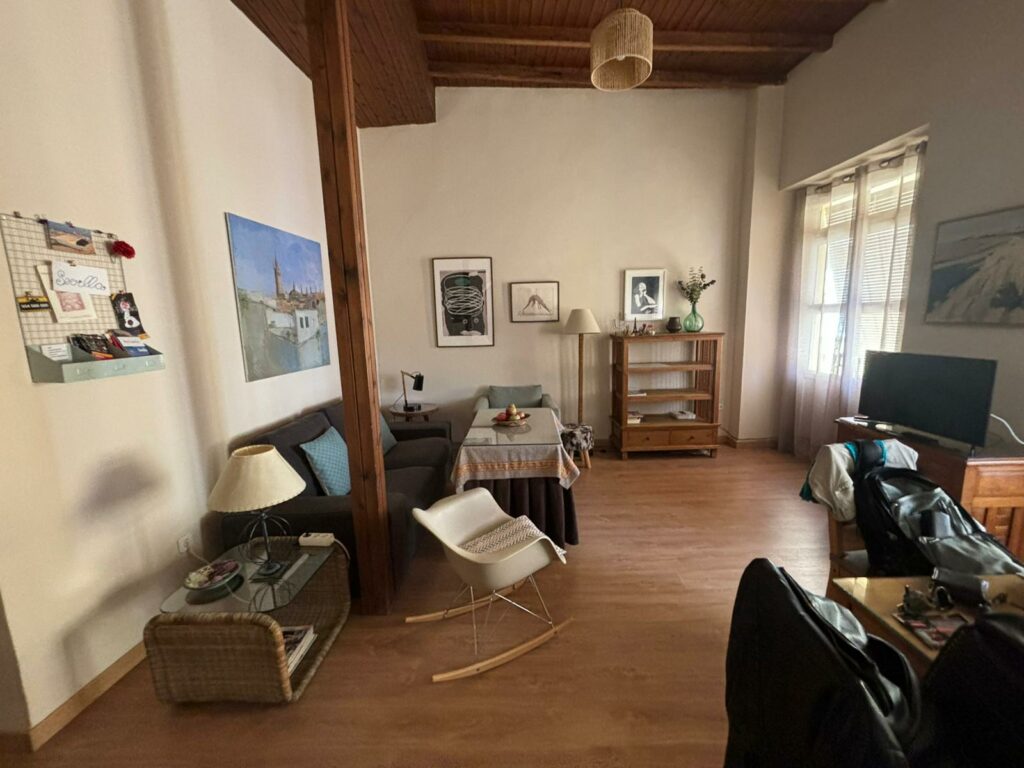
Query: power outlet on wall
185	544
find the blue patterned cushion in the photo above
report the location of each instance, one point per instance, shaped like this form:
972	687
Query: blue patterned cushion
328	455
387	439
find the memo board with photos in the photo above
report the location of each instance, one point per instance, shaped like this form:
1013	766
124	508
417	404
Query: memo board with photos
27	248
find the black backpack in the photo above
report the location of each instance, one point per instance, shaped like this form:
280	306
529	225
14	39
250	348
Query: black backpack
910	526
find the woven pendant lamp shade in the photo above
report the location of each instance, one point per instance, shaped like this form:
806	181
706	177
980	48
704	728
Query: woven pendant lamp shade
621	50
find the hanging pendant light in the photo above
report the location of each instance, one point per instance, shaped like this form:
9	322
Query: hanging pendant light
621	50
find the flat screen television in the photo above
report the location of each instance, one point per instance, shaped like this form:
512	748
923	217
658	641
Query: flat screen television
946	396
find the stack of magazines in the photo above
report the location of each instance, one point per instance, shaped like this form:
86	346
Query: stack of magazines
297	640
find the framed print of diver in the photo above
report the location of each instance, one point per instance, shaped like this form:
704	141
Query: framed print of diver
644	294
463	302
533	302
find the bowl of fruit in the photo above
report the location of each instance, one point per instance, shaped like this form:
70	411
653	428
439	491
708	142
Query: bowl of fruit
511	417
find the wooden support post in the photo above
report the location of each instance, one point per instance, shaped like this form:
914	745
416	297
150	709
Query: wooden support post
333	100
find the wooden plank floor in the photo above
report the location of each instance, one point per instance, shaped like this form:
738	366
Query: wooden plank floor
637	680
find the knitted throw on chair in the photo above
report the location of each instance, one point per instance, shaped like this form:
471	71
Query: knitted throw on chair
508	535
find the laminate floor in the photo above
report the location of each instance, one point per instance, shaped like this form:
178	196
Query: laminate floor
637	680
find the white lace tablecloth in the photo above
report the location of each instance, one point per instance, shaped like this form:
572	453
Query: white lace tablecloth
488	454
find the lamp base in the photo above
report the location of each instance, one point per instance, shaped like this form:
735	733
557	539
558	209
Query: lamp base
412	407
269	568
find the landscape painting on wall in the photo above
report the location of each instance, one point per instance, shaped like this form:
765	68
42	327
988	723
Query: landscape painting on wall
279	290
978	270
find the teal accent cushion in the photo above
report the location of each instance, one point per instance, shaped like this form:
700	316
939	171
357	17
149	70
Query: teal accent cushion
524	397
328	456
387	438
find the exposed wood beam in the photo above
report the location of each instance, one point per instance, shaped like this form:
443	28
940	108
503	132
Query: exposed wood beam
390	64
389	61
334	104
460	33
580	77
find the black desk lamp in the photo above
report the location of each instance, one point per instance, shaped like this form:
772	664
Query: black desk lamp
417	386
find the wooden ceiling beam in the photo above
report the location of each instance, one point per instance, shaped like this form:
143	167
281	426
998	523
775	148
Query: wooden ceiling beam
389	61
572	77
460	33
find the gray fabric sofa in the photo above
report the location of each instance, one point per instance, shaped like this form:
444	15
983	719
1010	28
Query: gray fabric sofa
529	396
416	473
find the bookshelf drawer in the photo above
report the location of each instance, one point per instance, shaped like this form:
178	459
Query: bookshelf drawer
651	438
694	436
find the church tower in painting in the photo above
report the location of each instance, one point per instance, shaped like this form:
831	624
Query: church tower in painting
278	282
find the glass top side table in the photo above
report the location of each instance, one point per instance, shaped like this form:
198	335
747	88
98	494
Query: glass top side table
249	595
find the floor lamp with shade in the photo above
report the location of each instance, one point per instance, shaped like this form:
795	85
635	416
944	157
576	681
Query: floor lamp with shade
581	322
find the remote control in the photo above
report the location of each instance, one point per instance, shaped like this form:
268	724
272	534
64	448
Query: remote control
316	539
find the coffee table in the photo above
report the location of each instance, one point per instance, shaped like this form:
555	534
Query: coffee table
228	646
525	468
874	600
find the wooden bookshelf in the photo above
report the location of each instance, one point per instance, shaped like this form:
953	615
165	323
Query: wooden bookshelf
673	371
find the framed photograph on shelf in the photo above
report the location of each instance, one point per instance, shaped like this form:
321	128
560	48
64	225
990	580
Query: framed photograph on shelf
533	302
978	270
463	302
644	294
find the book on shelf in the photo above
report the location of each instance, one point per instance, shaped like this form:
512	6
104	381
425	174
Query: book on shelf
297	641
684	414
634	417
637	393
130	345
93	344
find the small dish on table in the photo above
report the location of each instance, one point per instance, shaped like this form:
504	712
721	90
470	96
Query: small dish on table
212	575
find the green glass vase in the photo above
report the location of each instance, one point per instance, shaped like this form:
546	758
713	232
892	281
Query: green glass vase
693	322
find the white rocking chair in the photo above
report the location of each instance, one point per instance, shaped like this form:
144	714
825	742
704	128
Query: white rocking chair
495	573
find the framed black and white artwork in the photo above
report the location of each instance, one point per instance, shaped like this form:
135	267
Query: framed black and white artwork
533	302
644	294
463	302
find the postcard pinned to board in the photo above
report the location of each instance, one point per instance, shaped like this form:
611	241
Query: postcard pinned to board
74	278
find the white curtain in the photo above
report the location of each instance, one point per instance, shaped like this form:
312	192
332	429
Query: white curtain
849	292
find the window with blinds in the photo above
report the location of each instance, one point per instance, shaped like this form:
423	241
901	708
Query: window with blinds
857	248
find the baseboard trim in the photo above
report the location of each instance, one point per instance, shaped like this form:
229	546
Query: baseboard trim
51	725
752	442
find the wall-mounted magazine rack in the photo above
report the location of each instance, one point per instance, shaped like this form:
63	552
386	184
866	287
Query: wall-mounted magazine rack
84	367
25	243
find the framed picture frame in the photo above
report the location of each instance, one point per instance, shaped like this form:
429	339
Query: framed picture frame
644	294
976	270
463	302
534	302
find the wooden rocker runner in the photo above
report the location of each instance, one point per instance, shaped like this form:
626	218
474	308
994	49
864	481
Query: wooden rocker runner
494	555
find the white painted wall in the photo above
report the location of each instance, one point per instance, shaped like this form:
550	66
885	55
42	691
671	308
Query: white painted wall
957	69
764	257
151	119
567	185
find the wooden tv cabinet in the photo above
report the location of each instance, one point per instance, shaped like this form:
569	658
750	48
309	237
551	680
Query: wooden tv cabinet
672	370
989	484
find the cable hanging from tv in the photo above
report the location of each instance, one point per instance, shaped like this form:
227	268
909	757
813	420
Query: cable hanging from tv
1009	429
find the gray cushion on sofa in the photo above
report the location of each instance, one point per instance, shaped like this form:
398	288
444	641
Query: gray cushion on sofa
421	452
524	397
287	440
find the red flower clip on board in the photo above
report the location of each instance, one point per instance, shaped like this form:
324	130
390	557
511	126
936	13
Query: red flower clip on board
122	249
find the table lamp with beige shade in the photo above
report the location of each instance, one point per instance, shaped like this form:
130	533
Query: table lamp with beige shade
581	322
255	479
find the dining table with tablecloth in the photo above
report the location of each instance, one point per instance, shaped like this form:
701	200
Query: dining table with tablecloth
525	467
